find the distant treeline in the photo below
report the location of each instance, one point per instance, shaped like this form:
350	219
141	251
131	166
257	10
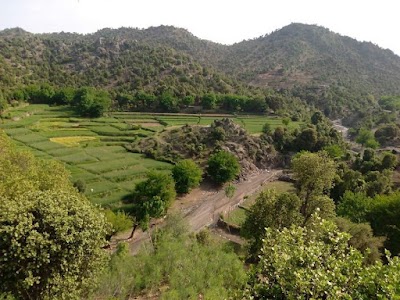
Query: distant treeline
93	102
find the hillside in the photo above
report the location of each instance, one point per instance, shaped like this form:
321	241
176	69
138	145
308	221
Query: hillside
335	73
301	54
123	59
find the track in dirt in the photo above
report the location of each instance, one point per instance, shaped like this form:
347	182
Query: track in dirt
202	207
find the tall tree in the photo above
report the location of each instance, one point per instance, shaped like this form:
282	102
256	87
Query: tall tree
314	174
152	198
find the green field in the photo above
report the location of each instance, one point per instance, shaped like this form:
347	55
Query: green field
92	149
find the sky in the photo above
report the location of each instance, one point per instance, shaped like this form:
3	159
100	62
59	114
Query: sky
220	21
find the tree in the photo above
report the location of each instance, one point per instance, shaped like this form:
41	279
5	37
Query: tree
89	102
389	161
367	139
209	101
316	262
51	245
307	139
152	198
223	167
354	206
3	104
314	174
187	175
362	238
267	129
270	210
384	217
51	236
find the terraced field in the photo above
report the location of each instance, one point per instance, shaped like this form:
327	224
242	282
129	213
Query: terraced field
92	149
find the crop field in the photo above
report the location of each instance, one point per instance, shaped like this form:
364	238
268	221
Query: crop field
92	149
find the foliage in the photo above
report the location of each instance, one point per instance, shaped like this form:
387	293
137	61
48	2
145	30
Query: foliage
223	167
316	262
80	185
91	103
178	267
152	197
270	210
187	175
230	190
314	174
367	139
51	236
354	206
384	217
119	221
57	238
362	239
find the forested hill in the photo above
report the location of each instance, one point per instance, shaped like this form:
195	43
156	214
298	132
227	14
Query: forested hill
301	54
123	59
324	68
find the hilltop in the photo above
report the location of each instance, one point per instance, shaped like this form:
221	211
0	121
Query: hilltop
333	72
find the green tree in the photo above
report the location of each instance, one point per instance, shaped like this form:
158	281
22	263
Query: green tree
51	245
384	217
209	101
89	102
270	210
316	262
314	174
152	198
267	129
223	167
187	175
362	238
367	139
3	104
354	206
389	161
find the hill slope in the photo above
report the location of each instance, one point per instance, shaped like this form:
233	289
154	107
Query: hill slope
307	54
333	72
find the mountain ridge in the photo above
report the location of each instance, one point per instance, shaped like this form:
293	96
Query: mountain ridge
298	58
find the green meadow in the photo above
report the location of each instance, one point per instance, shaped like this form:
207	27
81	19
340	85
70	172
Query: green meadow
93	149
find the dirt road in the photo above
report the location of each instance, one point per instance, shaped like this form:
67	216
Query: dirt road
202	206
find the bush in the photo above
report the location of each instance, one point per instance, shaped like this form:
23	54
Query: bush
187	175
80	185
223	167
119	221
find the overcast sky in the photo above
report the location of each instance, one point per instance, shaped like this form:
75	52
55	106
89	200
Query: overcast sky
221	21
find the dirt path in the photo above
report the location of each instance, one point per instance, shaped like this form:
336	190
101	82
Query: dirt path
202	206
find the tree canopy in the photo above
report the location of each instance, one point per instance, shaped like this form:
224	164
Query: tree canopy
316	262
223	167
187	175
51	236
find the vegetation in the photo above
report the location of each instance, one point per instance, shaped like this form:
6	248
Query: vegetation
317	262
223	167
51	235
104	105
176	266
152	198
187	175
